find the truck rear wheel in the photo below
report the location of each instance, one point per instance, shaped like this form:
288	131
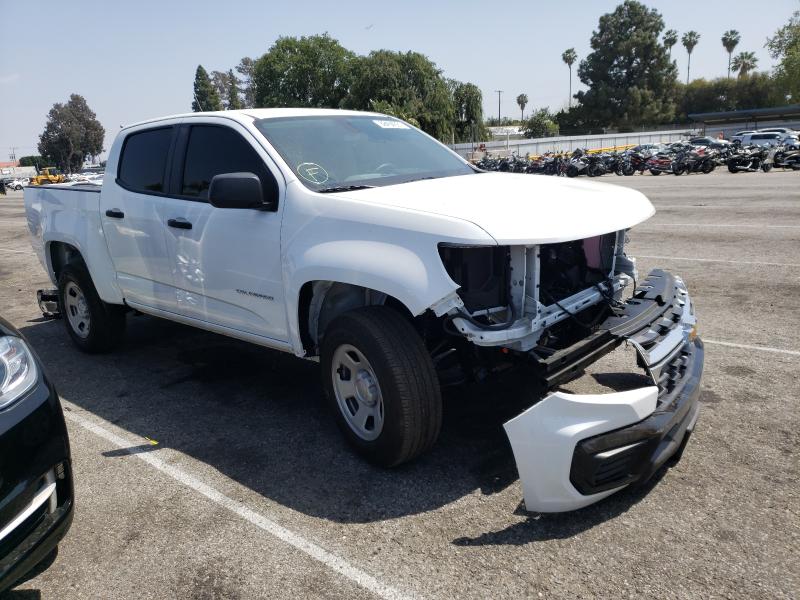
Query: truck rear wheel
381	385
93	325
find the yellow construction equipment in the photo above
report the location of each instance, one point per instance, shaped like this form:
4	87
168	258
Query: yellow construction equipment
47	175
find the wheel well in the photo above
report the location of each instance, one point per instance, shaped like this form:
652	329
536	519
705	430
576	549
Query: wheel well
322	301
62	254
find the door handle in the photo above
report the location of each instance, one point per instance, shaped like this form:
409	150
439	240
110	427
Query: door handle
115	213
179	223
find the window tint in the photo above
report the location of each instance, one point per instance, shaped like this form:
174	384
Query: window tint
213	150
144	160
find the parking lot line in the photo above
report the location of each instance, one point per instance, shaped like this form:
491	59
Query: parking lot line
749	347
16	251
330	560
719	225
722	260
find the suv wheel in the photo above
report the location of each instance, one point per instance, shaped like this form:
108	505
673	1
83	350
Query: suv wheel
93	325
381	385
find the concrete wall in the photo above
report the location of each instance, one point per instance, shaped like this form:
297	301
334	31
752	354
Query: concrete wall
569	143
17	171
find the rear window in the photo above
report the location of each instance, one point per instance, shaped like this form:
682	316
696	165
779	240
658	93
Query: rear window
143	165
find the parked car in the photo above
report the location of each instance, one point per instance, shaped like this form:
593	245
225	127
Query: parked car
355	240
36	490
18	184
710	142
737	137
762	139
784	131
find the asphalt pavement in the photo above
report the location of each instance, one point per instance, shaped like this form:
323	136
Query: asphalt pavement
209	468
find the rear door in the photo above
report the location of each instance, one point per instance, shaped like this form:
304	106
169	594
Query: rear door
226	263
131	211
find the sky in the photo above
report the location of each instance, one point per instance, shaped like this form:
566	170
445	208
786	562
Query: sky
135	60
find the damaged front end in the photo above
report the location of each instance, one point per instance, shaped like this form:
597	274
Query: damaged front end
557	309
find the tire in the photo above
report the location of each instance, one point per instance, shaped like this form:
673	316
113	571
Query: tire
708	166
732	168
394	358
93	325
677	170
572	171
654	172
766	168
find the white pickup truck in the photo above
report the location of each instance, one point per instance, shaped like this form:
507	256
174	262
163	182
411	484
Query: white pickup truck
356	240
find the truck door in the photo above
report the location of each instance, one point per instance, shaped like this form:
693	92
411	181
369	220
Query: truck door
226	262
133	221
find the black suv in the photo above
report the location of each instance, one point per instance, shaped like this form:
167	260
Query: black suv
36	490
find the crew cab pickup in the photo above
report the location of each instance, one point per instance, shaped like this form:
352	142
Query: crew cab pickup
356	240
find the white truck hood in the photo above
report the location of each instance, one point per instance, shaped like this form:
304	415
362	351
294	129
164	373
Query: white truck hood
520	208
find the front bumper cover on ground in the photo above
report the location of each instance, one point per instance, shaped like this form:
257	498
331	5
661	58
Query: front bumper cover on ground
573	450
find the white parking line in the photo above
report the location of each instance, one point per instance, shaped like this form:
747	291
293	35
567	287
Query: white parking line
720	260
16	251
333	562
718	225
749	347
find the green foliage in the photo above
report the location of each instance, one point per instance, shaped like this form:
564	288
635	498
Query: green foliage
743	63
730	39
408	81
72	133
467	101
629	75
669	40
311	71
245	81
540	124
206	97
569	56
784	46
522	102
689	40
233	101
33	161
756	90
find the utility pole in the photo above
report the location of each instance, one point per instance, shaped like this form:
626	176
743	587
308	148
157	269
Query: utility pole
498	105
13	155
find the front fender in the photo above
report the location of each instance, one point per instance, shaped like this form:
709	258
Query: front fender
416	279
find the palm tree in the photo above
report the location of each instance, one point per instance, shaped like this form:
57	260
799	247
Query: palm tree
670	39
689	41
569	57
744	62
522	101
730	39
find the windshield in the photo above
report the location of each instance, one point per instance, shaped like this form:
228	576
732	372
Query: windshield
335	153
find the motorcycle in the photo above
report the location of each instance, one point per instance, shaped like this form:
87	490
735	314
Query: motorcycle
787	158
750	159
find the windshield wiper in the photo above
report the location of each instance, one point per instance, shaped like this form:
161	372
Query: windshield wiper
344	188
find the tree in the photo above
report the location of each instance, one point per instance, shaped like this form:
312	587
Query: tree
730	39
784	46
220	81
744	63
689	41
522	102
246	85
205	96
670	39
540	124
33	161
72	133
408	81
467	101
630	78
234	103
757	90
569	57
311	71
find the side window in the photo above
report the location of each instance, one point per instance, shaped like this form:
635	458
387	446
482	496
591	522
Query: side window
143	164
213	150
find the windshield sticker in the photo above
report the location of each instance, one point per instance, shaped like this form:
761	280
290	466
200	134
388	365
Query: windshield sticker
312	172
385	124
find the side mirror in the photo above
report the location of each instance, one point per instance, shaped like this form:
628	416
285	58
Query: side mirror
238	190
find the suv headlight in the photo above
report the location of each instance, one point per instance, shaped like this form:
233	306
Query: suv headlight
17	369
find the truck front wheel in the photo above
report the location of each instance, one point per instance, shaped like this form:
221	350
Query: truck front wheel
381	385
93	325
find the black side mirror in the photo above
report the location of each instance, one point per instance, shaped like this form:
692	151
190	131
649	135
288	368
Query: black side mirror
238	190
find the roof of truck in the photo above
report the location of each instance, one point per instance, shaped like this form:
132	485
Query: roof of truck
248	114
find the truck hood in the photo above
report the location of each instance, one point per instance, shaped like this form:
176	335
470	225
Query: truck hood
520	208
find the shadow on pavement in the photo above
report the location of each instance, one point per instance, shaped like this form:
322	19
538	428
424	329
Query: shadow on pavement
258	417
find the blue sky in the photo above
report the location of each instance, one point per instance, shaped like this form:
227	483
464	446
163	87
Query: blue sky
136	59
